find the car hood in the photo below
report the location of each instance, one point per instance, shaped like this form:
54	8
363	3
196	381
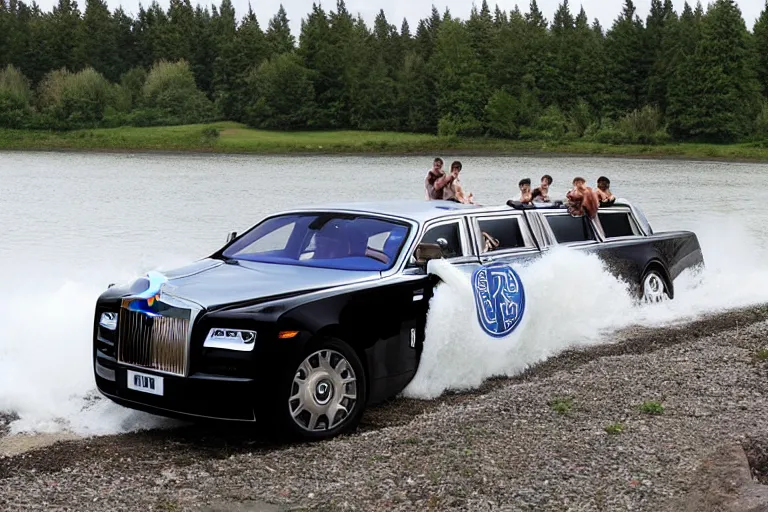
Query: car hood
212	283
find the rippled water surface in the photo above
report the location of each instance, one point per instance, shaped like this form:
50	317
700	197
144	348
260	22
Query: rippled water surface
87	209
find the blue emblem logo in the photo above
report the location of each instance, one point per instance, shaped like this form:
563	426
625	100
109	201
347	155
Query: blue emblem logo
499	297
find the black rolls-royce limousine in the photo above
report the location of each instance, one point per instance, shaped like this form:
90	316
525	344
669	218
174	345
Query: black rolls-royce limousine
313	314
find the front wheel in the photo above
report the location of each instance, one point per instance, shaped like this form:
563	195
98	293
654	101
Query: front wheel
654	287
327	392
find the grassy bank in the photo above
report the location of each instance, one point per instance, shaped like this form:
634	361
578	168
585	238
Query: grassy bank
227	137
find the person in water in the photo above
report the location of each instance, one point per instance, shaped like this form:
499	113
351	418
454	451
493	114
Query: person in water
541	193
525	191
436	181
582	200
604	195
454	191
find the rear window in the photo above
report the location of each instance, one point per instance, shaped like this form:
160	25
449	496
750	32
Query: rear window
616	224
570	229
506	231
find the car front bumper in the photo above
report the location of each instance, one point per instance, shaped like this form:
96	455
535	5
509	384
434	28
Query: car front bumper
197	397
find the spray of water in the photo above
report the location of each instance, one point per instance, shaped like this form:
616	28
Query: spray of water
573	301
46	375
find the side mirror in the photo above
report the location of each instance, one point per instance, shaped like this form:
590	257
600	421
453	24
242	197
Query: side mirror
231	236
425	252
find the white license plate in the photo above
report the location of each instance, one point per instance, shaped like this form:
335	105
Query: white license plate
145	383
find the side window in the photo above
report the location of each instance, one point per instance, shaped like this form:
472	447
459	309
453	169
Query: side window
570	229
504	231
616	224
448	232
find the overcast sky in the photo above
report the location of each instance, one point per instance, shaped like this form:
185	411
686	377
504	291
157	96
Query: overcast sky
604	10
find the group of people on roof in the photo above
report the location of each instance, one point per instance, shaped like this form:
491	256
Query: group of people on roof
581	200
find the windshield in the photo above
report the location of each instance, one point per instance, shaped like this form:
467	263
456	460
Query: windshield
328	240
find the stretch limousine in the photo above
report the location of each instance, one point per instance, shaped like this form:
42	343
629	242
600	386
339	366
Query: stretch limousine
313	314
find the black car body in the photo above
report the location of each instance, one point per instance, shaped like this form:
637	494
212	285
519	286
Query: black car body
313	314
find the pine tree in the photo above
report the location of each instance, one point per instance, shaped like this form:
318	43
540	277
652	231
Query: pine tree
714	94
761	50
462	91
65	35
279	35
628	63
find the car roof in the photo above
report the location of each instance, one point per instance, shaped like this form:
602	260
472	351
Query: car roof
417	210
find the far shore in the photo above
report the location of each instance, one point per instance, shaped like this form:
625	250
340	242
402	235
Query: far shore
236	139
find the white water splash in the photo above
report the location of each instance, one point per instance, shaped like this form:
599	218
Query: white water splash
573	301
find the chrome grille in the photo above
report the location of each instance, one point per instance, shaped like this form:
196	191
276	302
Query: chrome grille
153	342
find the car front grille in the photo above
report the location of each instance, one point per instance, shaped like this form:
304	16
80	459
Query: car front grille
153	342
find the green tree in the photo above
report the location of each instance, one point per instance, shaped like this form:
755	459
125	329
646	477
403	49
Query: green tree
15	97
761	49
98	45
281	95
171	91
627	62
279	37
713	96
462	91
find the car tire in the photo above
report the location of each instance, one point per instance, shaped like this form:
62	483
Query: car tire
325	394
653	287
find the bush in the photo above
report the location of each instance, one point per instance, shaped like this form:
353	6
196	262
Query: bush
761	123
552	123
641	126
132	83
453	126
579	119
75	100
170	87
15	96
501	112
280	94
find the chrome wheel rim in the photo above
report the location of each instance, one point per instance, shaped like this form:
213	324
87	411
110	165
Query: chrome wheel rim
323	392
653	288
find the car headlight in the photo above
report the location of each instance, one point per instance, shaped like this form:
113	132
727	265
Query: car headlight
231	339
108	320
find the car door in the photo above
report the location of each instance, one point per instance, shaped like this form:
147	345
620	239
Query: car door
418	285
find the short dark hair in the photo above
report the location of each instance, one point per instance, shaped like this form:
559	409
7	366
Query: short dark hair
524	181
536	193
456	165
603	179
579	178
548	178
438	159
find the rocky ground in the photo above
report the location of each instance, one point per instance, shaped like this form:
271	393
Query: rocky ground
663	419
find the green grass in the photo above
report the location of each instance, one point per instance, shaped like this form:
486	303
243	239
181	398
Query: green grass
615	429
561	405
652	408
237	138
761	355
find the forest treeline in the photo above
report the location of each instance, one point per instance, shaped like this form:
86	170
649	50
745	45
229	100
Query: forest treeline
694	75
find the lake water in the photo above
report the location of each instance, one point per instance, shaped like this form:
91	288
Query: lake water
72	223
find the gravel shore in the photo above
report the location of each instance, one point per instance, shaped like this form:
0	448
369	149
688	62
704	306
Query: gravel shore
619	427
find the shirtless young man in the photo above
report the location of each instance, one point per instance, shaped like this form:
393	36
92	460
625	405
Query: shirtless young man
542	196
436	181
582	199
454	191
525	191
604	194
